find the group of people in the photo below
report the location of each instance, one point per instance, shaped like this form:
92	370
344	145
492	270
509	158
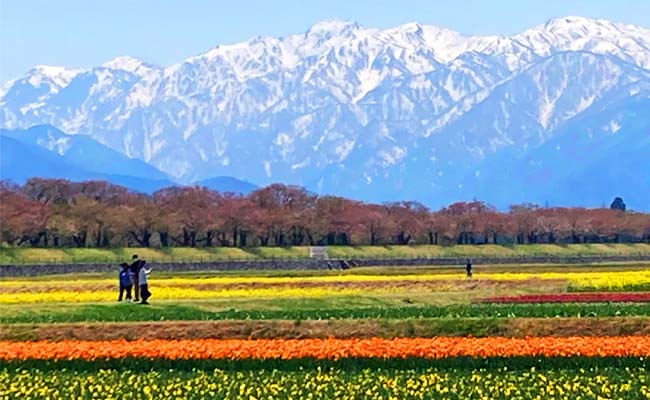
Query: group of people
134	276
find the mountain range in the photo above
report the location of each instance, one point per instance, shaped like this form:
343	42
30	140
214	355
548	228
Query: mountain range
557	114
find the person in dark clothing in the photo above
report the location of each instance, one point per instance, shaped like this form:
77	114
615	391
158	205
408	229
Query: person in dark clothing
468	268
134	269
126	282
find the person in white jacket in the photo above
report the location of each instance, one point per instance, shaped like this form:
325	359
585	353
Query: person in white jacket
143	274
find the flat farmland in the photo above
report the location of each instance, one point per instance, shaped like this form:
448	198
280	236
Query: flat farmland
535	331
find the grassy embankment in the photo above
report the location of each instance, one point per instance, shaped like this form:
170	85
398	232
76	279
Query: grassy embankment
179	254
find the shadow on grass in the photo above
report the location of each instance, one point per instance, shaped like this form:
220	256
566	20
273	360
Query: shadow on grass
586	365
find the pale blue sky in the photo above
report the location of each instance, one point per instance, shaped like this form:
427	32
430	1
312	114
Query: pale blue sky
87	33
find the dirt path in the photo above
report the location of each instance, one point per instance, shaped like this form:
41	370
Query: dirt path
519	327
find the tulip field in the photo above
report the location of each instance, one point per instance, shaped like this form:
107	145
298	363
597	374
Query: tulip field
509	332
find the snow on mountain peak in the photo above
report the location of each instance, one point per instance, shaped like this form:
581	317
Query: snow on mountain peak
333	27
577	27
55	71
410	27
630	42
128	64
58	76
569	21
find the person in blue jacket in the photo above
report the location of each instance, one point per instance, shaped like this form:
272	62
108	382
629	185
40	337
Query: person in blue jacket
126	282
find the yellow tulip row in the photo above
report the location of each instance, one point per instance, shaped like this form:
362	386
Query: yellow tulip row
628	383
587	278
178	293
228	280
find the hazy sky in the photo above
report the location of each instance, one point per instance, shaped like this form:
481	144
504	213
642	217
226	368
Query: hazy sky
87	33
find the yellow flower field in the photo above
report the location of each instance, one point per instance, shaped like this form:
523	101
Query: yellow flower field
271	280
628	383
604	279
176	293
583	280
574	277
26	291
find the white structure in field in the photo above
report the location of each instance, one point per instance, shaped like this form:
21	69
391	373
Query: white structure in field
319	252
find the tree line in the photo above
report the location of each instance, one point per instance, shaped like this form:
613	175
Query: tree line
59	213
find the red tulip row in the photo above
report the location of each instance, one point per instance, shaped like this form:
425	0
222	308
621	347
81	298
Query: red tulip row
572	298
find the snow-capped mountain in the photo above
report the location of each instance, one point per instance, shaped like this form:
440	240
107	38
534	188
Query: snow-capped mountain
415	111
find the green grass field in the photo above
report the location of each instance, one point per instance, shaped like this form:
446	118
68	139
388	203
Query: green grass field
406	301
25	255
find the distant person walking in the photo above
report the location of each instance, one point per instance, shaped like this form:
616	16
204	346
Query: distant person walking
144	284
468	268
126	282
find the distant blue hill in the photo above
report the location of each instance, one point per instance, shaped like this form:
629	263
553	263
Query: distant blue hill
46	152
226	184
85	152
20	161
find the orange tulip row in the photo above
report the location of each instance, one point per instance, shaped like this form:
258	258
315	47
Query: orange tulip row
432	348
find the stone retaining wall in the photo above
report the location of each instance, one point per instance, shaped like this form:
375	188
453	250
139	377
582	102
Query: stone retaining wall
502	260
308	264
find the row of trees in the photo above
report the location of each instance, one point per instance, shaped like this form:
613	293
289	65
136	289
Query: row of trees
98	214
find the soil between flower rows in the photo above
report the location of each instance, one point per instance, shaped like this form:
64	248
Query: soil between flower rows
344	329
